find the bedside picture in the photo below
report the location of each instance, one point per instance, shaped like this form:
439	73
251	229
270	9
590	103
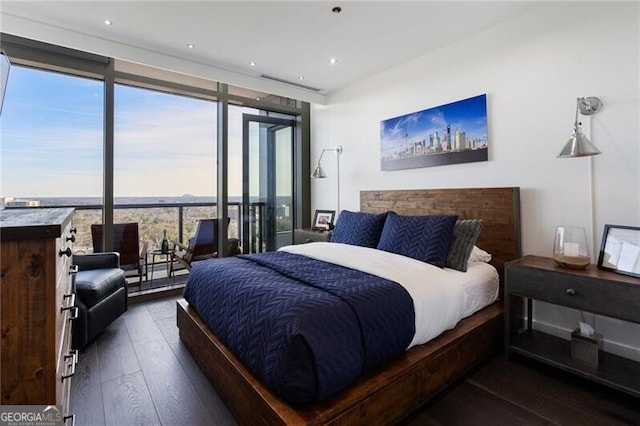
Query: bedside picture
620	250
323	219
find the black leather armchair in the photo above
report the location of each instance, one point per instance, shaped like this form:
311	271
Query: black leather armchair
101	295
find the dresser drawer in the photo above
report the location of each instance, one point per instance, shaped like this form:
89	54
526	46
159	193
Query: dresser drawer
580	292
64	247
65	312
65	299
65	368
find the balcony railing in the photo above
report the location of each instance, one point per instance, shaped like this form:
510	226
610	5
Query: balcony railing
178	219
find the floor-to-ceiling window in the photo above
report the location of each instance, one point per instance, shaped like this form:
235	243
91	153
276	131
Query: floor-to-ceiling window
149	153
164	162
51	130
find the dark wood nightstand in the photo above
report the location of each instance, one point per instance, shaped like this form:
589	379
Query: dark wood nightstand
591	289
307	235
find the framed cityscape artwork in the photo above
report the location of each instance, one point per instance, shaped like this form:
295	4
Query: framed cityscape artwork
447	134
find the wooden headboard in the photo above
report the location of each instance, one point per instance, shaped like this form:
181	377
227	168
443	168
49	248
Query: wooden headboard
499	208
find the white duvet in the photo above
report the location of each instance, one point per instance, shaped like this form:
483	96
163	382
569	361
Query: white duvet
441	297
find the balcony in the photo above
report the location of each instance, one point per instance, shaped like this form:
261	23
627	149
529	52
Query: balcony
180	221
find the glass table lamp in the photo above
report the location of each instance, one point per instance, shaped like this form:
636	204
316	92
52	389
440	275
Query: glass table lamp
570	248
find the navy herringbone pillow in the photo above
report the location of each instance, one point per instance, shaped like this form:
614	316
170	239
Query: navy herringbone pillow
425	238
358	229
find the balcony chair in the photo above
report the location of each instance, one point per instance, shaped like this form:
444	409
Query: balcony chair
203	245
126	241
101	295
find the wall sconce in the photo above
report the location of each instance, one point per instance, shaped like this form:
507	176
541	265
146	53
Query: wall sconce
318	173
578	144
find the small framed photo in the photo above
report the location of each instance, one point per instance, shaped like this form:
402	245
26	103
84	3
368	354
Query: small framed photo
323	220
620	250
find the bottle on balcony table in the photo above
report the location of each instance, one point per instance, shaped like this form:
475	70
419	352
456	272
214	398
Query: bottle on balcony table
165	243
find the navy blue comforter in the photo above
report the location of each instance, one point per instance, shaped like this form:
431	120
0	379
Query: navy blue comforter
306	328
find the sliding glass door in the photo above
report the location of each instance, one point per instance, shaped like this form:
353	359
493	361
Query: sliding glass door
267	182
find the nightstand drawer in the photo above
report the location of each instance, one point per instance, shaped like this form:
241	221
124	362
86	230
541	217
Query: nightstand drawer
575	290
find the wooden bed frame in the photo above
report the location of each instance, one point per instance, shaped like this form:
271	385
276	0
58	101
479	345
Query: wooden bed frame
392	392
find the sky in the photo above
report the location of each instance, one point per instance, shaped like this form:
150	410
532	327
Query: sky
51	140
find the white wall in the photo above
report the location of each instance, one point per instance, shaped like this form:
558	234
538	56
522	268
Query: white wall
532	70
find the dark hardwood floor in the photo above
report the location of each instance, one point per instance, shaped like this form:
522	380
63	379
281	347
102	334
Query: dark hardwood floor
139	373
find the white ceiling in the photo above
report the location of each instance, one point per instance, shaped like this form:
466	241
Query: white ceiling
286	39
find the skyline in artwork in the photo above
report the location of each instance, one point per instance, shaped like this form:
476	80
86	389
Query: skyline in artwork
447	134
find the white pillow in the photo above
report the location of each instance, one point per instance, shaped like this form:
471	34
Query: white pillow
479	255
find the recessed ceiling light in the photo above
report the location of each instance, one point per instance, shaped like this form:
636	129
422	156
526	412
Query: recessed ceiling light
333	60
253	64
301	78
190	46
108	22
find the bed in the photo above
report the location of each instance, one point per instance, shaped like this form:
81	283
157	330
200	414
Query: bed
388	393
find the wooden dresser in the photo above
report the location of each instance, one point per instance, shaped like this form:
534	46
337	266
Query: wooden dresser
36	285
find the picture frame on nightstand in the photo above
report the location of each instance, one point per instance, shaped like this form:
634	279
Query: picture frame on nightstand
620	250
323	220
